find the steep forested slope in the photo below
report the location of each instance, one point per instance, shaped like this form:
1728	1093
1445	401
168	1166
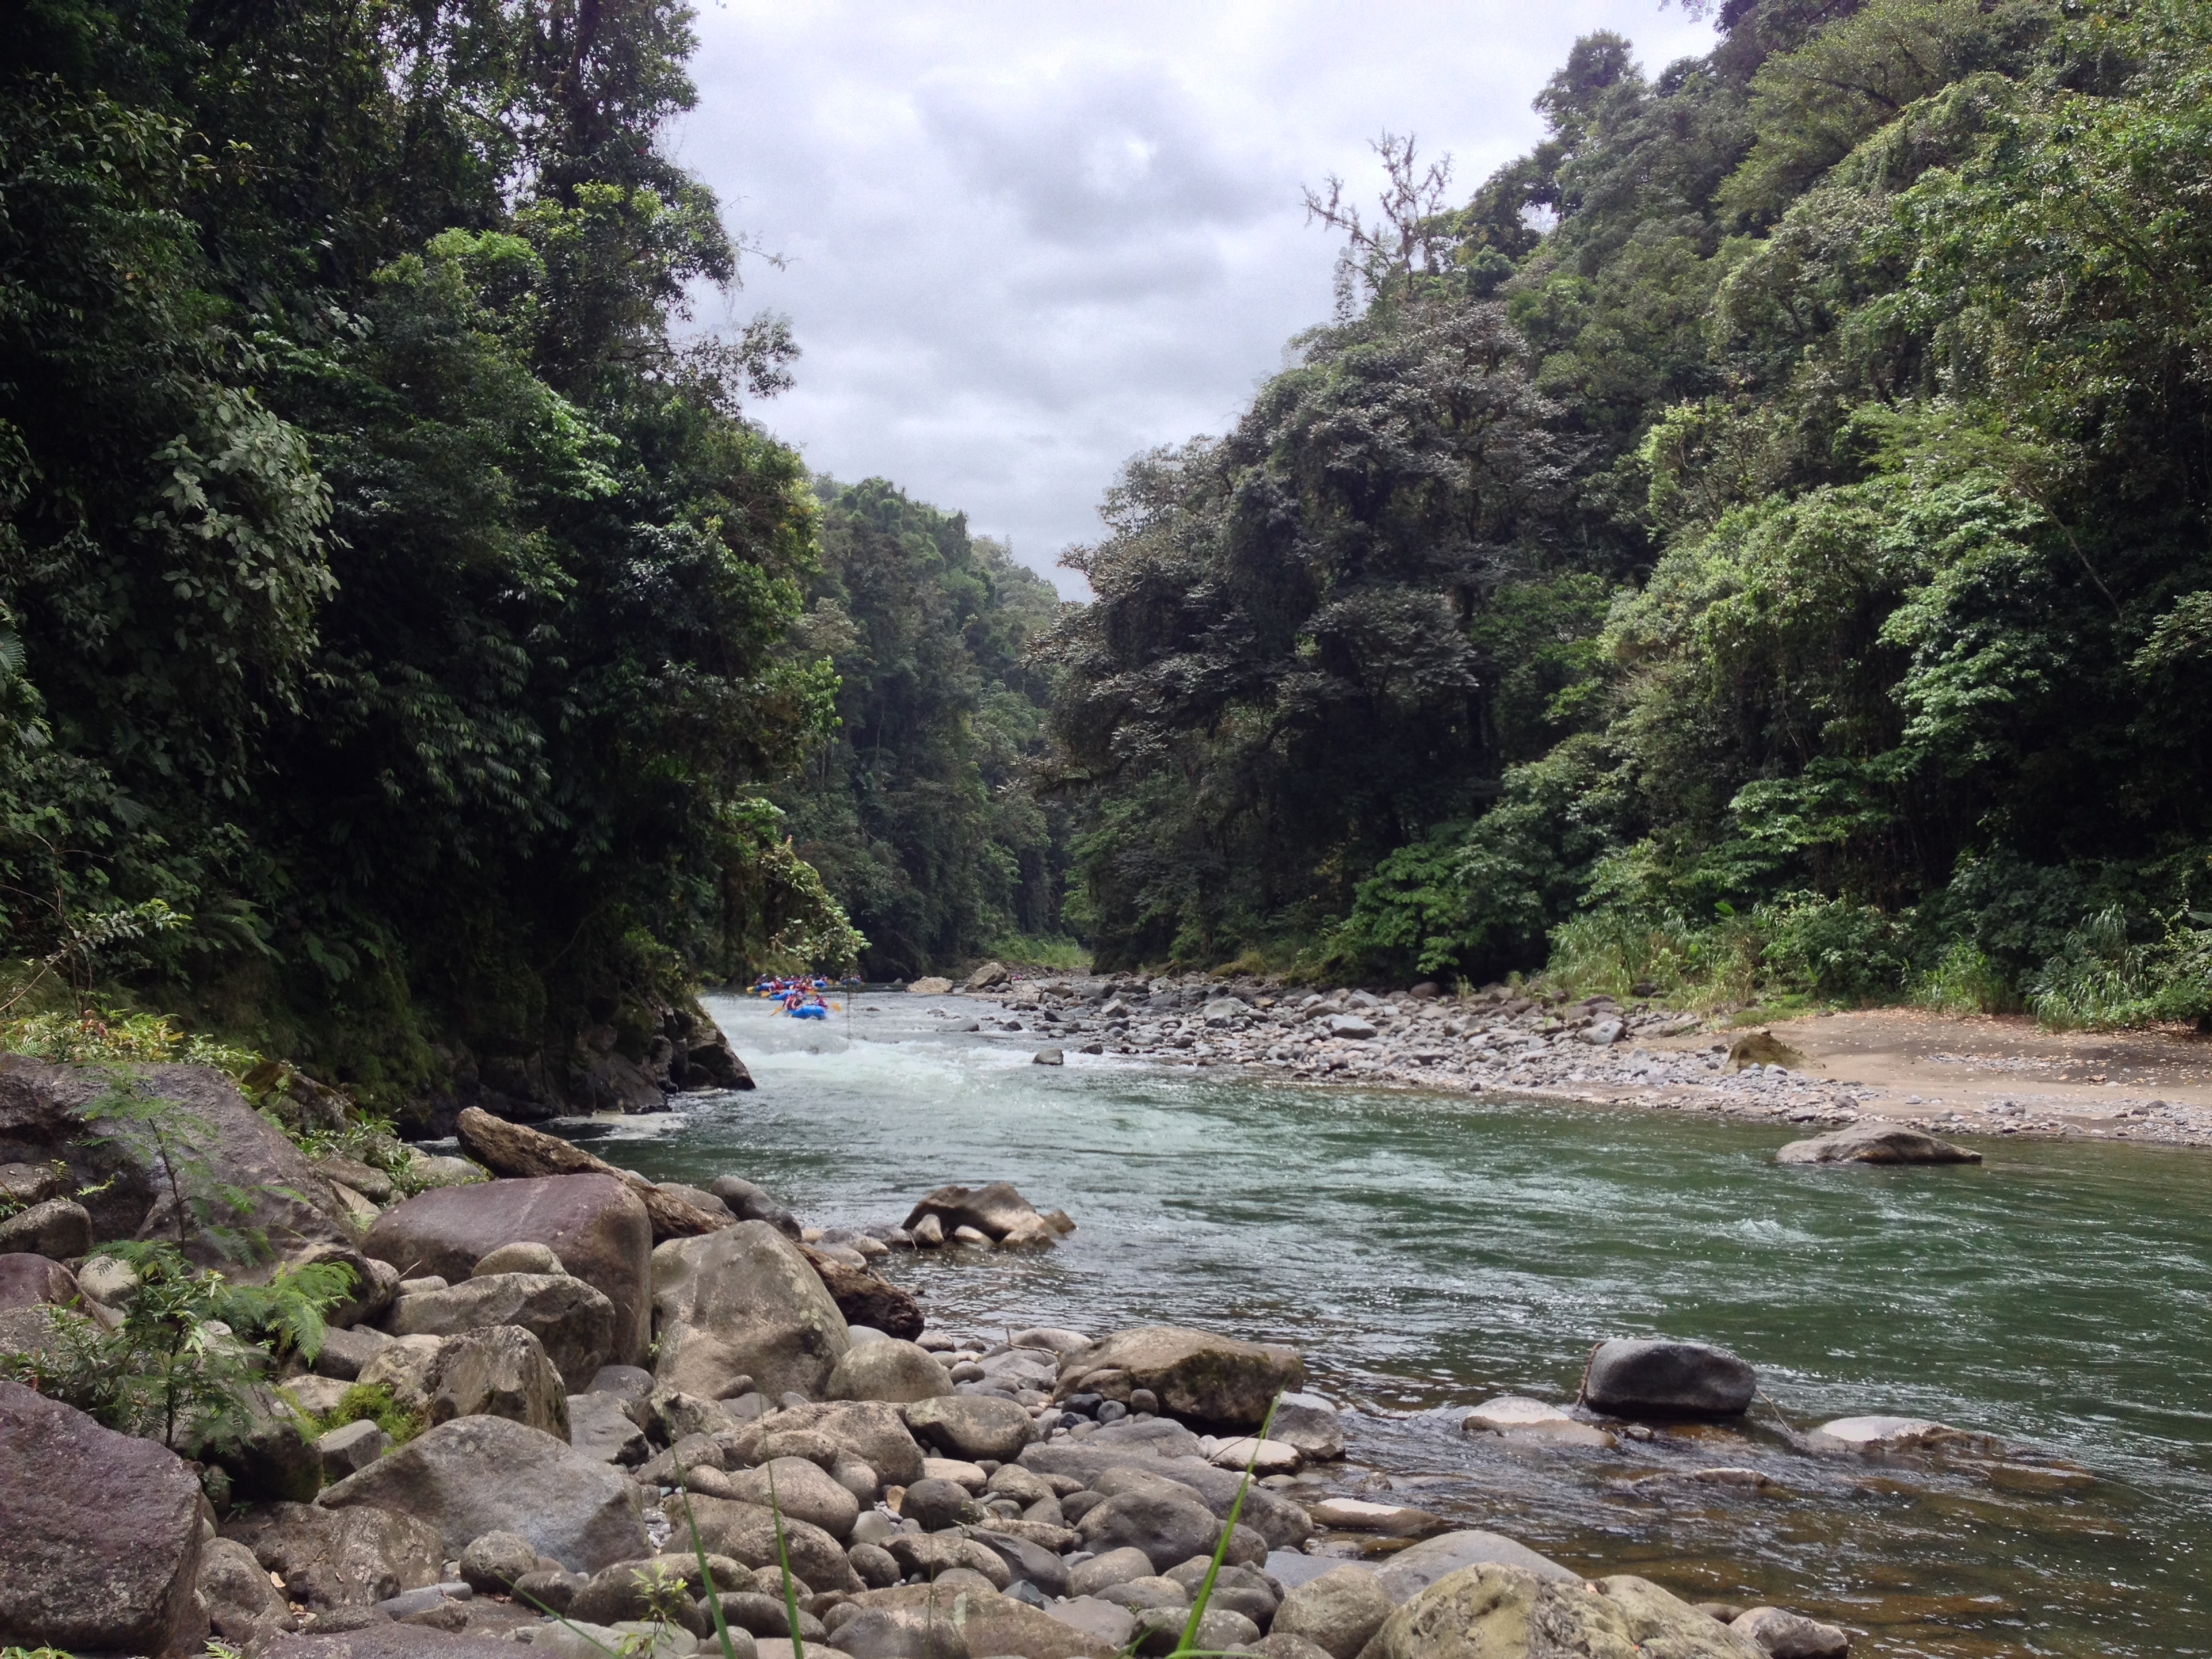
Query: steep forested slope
916	809
396	612
1758	541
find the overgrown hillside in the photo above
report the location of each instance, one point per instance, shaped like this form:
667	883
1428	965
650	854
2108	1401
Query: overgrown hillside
397	612
1756	545
916	809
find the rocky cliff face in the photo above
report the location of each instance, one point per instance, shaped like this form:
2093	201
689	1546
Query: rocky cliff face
630	1062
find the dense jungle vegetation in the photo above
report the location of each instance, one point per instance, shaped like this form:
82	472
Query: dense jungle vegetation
916	809
405	622
1756	545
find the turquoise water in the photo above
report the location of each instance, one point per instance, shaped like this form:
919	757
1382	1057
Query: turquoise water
1427	1250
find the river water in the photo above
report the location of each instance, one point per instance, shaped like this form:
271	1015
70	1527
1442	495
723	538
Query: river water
1429	1250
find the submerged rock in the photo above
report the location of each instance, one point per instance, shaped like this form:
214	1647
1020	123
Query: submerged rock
1535	1421
1874	1434
1876	1143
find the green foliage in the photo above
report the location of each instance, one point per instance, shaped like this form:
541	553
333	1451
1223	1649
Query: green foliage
1847	637
915	808
394	609
189	1345
370	1402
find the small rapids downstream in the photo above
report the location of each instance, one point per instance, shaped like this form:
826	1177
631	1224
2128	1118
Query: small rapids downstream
1427	1251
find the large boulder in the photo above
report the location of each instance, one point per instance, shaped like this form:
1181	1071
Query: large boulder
1876	1143
743	1301
500	1371
973	1426
117	1165
593	1223
1410	1572
871	1431
326	1560
241	1603
1337	1612
55	1228
899	1372
28	1280
480	1474
800	1490
1655	1376
864	1297
573	1320
998	1211
99	1535
1491	1611
747	1532
1195	1374
1167	1527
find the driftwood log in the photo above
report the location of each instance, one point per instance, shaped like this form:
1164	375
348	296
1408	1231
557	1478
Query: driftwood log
511	1150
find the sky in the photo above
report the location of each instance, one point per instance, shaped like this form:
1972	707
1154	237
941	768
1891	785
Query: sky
1023	240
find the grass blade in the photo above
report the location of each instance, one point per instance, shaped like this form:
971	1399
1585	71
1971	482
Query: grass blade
783	1561
1187	1648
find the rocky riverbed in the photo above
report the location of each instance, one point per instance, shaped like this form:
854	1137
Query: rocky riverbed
576	1409
1506	1041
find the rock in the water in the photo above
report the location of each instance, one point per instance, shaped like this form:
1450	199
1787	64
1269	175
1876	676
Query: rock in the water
1791	1636
973	1426
891	1370
989	975
930	985
746	1533
998	1211
1658	1377
1386	1520
596	1225
1311	1423
573	1320
480	1474
99	1535
1196	1375
1505	1612
1516	1417
1874	1434
865	1297
242	1604
802	1491
500	1371
743	1301
1410	1572
1338	1612
1169	1530
1876	1143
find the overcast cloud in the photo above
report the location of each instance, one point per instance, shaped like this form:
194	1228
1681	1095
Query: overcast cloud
1025	242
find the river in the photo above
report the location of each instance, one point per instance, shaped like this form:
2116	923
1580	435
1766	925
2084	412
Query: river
1426	1251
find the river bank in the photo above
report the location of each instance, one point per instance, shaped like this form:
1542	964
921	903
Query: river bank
1947	1074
